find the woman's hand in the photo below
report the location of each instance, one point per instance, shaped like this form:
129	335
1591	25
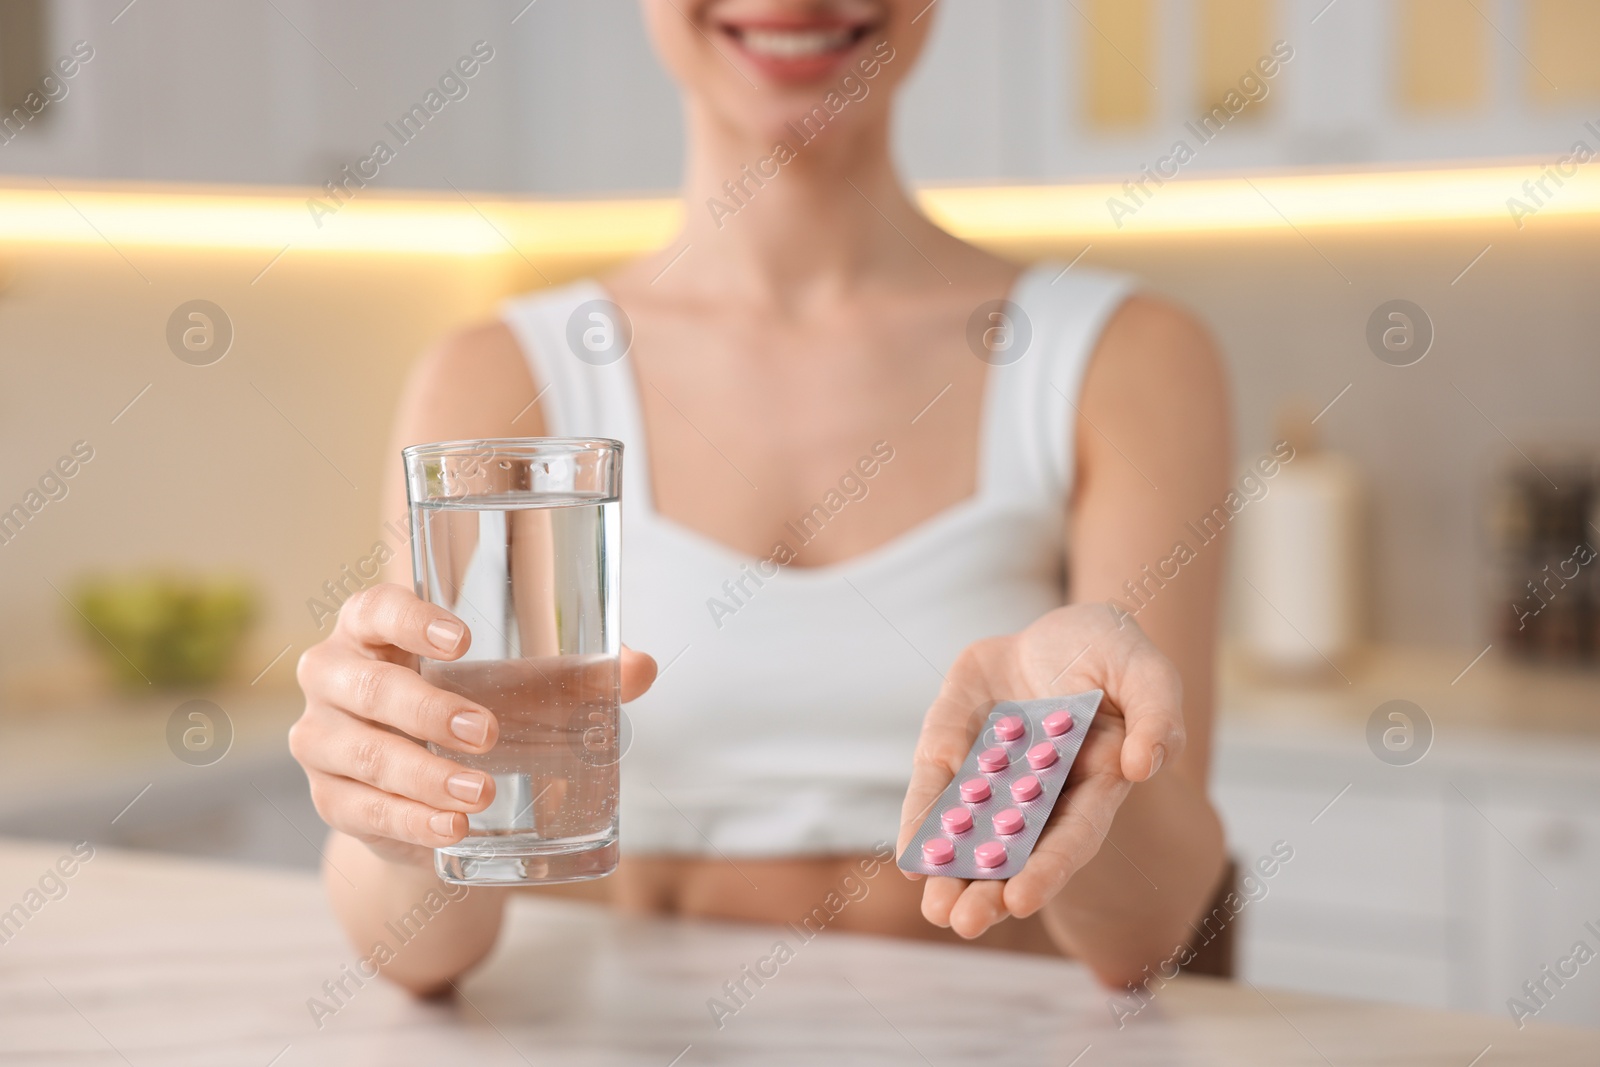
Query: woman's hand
1138	729
367	710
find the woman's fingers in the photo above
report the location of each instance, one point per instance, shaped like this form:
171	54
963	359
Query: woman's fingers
1071	839
393	695
933	765
980	906
939	895
952	721
638	674
393	764
387	615
968	908
370	814
1151	701
931	771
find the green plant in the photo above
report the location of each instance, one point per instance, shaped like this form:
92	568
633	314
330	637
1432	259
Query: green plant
164	629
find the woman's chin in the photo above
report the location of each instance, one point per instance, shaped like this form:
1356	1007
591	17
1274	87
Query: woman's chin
787	131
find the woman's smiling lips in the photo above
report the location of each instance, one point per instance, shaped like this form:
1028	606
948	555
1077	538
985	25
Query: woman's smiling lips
795	51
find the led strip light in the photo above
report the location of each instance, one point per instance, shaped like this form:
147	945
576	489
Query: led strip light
425	224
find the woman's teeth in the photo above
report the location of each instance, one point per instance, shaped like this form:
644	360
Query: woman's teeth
794	44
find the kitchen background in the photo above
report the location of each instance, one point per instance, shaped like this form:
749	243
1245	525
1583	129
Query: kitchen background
1443	864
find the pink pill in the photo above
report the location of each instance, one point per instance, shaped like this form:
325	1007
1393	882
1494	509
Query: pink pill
1025	788
1042	755
990	854
1009	728
1057	723
974	789
956	821
938	851
993	759
1008	822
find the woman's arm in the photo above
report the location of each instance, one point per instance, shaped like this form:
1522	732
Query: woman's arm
1152	450
389	801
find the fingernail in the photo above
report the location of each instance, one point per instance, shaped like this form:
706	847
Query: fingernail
466	788
444	634
443	823
1156	758
471	727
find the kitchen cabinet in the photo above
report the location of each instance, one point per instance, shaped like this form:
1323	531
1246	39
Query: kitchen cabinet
1447	883
105	773
1548	900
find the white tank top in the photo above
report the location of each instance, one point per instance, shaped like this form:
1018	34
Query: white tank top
783	721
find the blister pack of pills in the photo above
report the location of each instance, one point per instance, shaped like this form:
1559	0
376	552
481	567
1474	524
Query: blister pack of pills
987	820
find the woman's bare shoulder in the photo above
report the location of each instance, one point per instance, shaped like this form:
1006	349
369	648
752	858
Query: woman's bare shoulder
1158	386
476	382
1154	344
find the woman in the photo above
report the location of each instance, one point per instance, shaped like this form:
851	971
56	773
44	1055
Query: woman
821	392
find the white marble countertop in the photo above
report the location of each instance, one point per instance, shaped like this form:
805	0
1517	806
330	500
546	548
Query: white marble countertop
1482	695
153	960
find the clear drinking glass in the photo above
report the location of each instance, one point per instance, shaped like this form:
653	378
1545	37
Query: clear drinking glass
519	539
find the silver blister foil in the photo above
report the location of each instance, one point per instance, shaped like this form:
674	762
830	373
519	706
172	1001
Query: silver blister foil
1018	846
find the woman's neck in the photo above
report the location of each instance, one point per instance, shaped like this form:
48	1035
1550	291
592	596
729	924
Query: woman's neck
812	214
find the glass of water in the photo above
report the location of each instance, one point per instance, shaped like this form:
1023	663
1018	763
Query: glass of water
519	539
